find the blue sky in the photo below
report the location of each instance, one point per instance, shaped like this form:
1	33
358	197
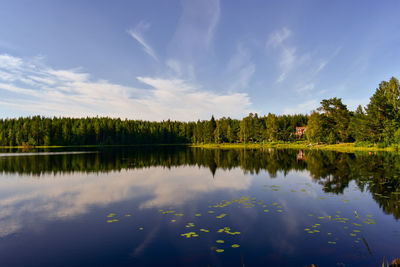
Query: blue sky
187	60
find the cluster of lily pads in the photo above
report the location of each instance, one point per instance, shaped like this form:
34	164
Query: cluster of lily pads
226	230
249	202
243	202
111	219
338	218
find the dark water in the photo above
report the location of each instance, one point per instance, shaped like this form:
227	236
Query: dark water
130	207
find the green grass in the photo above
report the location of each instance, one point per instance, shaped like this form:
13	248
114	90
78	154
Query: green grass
343	147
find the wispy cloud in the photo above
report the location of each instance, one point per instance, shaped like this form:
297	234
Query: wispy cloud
240	68
39	89
287	61
213	13
305	88
180	69
137	34
321	63
288	56
196	29
296	66
276	38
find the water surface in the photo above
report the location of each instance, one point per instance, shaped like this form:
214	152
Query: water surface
159	206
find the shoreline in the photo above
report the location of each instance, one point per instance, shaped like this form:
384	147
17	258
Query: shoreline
344	147
88	146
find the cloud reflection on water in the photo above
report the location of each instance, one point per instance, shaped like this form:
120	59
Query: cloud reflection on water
23	199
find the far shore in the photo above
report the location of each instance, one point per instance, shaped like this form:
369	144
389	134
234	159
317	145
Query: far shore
343	147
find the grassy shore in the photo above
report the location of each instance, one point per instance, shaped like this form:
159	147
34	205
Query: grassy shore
344	147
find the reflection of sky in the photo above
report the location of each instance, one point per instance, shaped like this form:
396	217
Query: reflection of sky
28	203
23	199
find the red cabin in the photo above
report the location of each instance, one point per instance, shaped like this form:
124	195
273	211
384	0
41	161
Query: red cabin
300	131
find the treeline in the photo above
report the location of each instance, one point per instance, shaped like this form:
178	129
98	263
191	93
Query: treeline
377	123
34	131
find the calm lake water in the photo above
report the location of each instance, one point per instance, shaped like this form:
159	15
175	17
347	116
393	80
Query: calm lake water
177	206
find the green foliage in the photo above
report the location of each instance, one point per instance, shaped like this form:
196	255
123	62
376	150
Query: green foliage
316	128
331	125
34	131
378	125
383	111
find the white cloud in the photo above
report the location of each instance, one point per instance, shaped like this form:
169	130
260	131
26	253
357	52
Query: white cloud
38	89
177	97
7	61
276	38
137	34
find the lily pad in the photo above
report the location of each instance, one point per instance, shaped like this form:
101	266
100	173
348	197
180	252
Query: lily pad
222	215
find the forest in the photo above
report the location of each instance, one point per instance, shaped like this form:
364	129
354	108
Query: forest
376	124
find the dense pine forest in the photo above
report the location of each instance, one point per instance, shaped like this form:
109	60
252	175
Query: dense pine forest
377	123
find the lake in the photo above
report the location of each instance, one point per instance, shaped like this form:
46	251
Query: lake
178	206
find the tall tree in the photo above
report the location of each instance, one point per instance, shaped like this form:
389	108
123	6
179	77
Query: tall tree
316	128
336	117
383	111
